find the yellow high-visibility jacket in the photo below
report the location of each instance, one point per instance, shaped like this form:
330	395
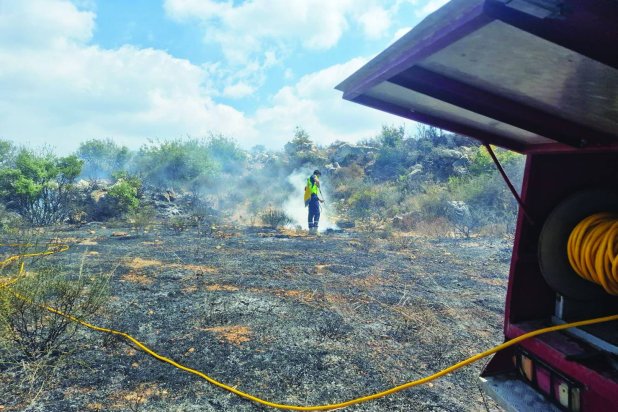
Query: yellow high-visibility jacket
311	189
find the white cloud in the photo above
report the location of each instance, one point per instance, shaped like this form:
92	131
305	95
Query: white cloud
64	90
43	23
243	29
313	104
59	89
430	7
400	33
375	22
267	33
238	90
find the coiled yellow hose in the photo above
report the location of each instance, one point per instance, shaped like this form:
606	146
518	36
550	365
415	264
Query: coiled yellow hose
593	250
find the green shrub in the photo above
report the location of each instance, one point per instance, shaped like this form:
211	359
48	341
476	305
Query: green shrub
123	196
275	218
7	154
102	157
175	163
481	161
9	222
40	187
226	153
373	200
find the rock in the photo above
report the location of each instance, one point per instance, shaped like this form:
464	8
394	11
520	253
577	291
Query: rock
292	148
459	213
167	196
345	224
82	184
460	166
448	153
98	195
458	208
415	172
119	234
403	221
78	217
347	152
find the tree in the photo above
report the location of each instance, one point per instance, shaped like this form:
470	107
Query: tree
7	153
176	163
40	187
301	149
392	159
226	153
102	157
391	136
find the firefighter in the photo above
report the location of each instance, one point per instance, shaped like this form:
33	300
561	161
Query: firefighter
313	189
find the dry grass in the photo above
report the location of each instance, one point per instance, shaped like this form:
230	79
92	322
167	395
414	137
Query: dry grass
321	269
371	281
189	289
225	288
236	334
296	294
95	406
88	242
202	269
138	278
436	228
139	263
131	399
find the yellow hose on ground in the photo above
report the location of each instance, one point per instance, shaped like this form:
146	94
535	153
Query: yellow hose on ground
593	250
250	397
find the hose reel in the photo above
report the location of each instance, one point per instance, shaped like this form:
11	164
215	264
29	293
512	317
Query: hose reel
559	267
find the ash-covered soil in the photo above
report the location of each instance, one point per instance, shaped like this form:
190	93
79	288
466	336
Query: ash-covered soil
284	316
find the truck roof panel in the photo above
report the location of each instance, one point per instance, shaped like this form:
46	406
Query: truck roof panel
522	74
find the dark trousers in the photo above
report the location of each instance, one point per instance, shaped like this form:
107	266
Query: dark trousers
314	212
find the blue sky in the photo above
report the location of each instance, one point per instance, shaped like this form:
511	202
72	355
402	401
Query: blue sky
146	69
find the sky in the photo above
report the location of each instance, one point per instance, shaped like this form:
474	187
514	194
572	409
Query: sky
140	70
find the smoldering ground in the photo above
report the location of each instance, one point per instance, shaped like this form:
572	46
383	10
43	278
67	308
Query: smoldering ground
291	319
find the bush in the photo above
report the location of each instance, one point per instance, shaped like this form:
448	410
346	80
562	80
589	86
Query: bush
9	221
301	150
226	153
102	157
373	200
123	196
275	218
7	154
40	187
176	164
180	224
392	158
346	180
143	218
29	331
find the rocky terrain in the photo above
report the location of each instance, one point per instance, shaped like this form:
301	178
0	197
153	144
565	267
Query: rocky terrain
282	315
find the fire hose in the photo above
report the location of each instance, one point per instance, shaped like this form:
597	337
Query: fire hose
56	248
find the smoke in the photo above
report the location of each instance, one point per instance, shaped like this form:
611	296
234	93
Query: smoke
294	205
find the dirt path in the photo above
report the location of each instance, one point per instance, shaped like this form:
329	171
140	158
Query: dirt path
293	319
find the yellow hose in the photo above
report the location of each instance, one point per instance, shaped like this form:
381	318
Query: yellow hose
250	397
593	251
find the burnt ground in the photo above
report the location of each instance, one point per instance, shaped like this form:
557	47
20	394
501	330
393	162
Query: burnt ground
284	316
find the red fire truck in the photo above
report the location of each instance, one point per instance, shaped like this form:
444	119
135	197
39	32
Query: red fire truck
539	77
